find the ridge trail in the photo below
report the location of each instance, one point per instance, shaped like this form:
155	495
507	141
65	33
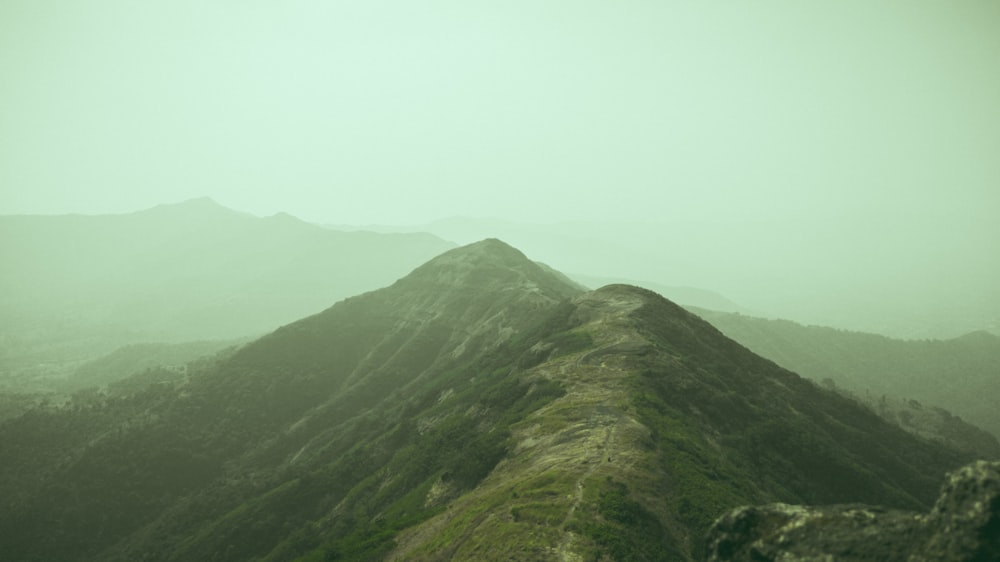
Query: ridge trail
579	487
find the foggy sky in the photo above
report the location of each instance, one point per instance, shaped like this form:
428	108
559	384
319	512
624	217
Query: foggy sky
843	156
396	112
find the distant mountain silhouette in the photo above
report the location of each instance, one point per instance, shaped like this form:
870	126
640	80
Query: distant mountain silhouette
74	287
479	408
775	267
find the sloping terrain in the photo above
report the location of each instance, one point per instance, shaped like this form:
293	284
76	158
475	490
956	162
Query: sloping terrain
684	296
127	361
664	424
961	375
316	402
74	287
480	408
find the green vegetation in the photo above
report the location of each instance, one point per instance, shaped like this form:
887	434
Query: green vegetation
870	366
323	439
701	483
542	500
621	527
387	416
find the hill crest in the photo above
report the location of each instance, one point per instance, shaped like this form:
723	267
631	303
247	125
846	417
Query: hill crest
480	408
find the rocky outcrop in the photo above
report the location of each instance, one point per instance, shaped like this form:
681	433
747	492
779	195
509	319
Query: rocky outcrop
964	524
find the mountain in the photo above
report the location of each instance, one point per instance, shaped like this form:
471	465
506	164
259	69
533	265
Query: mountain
76	287
684	296
130	360
480	408
961	375
931	283
591	252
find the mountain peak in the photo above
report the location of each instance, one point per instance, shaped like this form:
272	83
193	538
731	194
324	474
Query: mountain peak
491	264
612	300
620	298
194	203
197	207
203	201
979	336
490	249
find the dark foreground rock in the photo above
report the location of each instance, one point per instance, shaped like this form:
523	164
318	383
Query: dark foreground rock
964	525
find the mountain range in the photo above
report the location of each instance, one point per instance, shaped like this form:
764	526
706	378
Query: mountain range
848	274
75	287
482	407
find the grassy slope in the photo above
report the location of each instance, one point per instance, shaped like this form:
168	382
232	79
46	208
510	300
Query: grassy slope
961	375
466	413
665	424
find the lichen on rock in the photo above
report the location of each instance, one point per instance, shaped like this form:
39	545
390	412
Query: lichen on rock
964	525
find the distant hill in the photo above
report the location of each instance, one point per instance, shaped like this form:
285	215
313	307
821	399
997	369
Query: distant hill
136	358
931	286
75	287
593	254
684	296
961	375
480	408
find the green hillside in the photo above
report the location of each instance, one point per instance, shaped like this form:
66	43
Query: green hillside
480	408
961	375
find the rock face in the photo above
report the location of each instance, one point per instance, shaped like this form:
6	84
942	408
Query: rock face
963	525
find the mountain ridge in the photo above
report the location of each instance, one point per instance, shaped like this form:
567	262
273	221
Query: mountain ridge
611	435
480	408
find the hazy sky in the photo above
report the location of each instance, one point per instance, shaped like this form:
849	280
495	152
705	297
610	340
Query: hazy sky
403	112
